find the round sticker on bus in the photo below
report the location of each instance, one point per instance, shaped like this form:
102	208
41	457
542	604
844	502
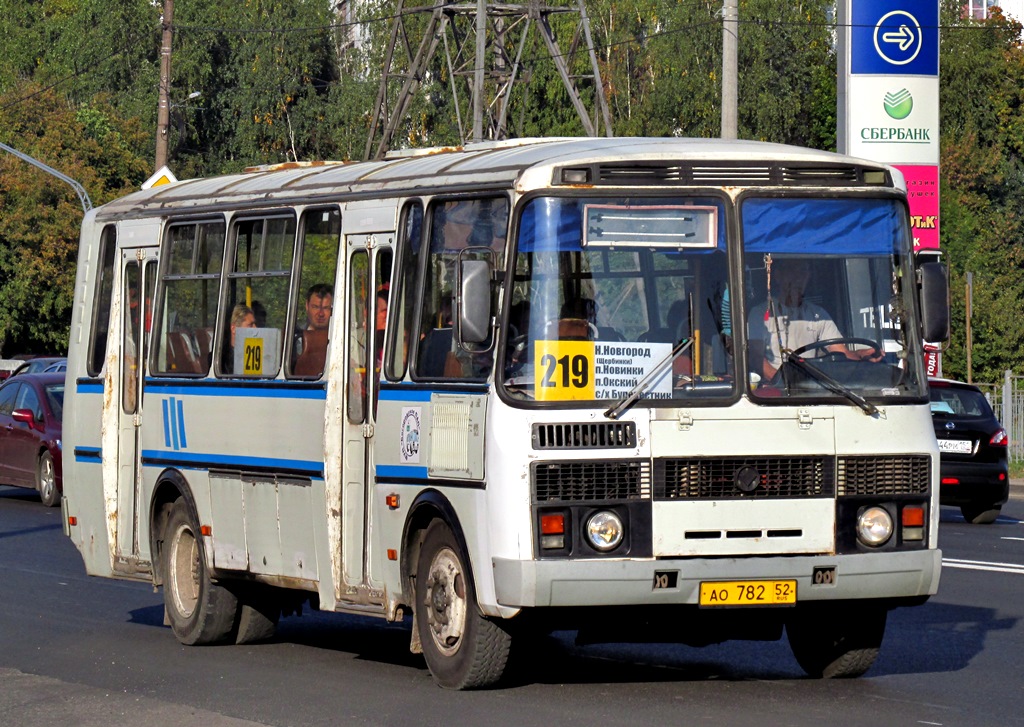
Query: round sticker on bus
564	370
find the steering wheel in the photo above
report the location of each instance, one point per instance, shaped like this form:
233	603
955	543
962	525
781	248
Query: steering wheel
872	345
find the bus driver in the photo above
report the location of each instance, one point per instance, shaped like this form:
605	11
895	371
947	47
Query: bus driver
786	321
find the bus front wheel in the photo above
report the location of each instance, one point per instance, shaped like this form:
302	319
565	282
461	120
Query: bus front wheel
833	641
199	611
462	648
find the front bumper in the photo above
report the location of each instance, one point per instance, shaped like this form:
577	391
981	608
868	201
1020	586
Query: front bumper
530	583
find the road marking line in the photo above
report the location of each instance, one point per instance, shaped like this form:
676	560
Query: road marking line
983	565
1007	537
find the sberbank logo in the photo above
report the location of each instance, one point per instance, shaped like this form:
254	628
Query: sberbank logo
898	104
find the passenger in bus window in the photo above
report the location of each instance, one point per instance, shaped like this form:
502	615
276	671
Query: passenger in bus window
786	321
311	342
319	303
242	316
380	323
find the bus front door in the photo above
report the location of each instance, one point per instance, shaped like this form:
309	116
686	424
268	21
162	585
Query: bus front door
369	272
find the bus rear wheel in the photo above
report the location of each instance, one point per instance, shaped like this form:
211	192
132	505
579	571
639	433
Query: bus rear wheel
199	611
462	648
836	642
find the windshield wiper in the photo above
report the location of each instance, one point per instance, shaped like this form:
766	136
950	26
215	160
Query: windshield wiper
832	385
635	393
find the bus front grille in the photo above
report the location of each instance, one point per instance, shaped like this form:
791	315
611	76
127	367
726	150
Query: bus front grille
725	478
585	435
907	474
577	480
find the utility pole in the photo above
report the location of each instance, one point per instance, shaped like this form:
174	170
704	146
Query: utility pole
730	81
163	112
969	304
483	44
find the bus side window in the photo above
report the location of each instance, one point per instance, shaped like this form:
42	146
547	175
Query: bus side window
403	292
455	225
312	306
190	282
101	301
256	297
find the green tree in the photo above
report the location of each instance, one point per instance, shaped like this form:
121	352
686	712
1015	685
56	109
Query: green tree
40	216
982	190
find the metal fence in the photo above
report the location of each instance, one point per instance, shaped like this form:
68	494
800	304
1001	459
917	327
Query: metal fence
1007	399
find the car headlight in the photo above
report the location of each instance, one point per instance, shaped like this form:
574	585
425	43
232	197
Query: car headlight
874	526
605	531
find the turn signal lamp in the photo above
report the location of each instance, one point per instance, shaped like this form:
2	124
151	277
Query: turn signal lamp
552	530
913	522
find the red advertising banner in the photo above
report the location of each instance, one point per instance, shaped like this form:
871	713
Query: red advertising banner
923	197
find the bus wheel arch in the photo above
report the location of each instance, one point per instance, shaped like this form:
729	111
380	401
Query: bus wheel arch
171	486
463	648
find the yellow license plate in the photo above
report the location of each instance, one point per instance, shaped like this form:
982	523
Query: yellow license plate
747	593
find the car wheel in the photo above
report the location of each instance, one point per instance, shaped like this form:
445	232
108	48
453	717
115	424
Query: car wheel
46	480
980	514
199	611
836	642
462	648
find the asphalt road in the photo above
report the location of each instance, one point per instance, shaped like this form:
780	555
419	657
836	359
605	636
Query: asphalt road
76	650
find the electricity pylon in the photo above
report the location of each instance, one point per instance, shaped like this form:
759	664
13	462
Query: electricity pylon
483	45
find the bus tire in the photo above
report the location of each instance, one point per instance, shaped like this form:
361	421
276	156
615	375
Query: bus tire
198	610
833	642
46	480
462	648
259	611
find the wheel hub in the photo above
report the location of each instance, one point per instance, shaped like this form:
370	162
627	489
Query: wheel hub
446	601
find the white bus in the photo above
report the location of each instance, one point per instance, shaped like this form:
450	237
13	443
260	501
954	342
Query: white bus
516	387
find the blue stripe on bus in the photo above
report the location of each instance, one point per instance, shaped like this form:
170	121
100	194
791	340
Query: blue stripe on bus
264	390
206	460
181	424
405	395
92	455
212	388
389	471
167	426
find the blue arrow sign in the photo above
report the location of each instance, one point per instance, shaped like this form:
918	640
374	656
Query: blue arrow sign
894	37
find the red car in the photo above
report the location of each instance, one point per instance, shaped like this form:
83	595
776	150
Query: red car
31	406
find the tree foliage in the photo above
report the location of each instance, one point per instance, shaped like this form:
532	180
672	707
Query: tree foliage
40	215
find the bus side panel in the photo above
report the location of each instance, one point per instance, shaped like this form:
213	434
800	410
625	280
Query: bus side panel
252	478
83	404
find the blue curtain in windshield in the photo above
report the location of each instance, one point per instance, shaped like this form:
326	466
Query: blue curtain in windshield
847	227
555	224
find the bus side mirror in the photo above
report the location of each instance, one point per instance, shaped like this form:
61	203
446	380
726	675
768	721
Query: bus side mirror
934	292
474	302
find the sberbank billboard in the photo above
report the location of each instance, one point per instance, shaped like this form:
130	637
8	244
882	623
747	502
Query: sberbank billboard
889	97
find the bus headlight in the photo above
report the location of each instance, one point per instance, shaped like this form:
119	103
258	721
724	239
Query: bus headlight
874	526
604	531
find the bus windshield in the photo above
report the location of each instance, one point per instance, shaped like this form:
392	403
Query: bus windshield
606	288
614	294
